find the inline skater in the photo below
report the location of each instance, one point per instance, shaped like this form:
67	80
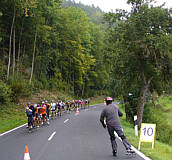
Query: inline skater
47	109
43	113
37	115
33	114
59	107
29	116
53	109
112	113
73	103
88	102
81	102
68	106
35	119
76	104
63	106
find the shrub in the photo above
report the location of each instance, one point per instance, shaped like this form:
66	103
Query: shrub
163	129
44	81
20	88
5	93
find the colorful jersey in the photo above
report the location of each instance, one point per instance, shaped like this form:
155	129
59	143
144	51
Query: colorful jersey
53	106
43	110
47	106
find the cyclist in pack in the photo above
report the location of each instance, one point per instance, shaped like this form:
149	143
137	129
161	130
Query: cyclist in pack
53	109
112	113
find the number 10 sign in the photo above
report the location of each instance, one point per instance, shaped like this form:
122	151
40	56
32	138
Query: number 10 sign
147	133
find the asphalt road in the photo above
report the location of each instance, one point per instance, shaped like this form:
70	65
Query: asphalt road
70	137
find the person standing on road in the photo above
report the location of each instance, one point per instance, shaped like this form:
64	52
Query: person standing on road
112	113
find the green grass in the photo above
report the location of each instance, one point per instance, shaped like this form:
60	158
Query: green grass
97	100
166	104
11	117
161	150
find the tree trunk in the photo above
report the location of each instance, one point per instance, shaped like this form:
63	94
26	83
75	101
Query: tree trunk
126	106
14	53
33	58
83	89
142	99
9	53
19	48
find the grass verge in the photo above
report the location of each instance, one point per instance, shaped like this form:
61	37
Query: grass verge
161	150
11	116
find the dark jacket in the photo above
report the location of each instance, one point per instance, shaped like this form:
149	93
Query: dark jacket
112	113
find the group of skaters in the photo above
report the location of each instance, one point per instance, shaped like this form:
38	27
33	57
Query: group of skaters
39	113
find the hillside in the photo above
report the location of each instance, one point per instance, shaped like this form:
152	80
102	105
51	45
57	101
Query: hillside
94	13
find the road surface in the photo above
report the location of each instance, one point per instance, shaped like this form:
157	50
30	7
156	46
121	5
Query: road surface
70	137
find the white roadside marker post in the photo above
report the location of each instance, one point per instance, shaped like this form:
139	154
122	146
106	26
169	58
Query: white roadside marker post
135	126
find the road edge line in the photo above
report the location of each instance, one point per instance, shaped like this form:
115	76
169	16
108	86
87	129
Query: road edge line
13	129
136	150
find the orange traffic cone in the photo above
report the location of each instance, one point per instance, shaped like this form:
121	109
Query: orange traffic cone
26	153
77	111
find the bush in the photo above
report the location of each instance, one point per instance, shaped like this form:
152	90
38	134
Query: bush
5	93
44	81
163	129
36	86
20	88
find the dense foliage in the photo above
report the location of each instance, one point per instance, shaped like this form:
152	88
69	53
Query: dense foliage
52	47
140	43
62	45
94	13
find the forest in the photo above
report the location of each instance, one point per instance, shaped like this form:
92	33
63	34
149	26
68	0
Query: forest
82	51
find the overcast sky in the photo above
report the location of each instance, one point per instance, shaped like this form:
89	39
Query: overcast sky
108	5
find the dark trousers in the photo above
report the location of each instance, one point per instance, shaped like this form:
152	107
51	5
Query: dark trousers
120	133
48	113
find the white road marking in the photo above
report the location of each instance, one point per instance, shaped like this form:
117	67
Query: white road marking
66	120
13	129
137	151
49	139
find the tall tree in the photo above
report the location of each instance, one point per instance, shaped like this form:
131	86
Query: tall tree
141	41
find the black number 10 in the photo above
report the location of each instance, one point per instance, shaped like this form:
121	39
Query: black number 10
148	131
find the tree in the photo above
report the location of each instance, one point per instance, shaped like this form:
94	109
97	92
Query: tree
141	41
